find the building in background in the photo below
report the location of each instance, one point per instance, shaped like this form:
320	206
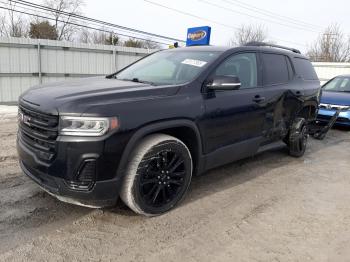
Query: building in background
27	62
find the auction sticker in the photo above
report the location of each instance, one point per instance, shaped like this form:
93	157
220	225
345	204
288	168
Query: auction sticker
194	62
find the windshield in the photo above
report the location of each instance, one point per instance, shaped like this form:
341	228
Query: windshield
168	67
338	84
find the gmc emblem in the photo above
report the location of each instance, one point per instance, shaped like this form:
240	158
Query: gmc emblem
24	119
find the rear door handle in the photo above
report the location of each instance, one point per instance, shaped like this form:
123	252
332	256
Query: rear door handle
298	93
258	99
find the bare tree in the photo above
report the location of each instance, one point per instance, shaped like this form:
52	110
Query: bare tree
65	31
249	33
330	46
112	39
134	42
3	31
98	37
131	42
101	37
151	45
85	36
16	26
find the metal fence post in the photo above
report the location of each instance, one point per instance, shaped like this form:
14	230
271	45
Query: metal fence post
115	60
39	63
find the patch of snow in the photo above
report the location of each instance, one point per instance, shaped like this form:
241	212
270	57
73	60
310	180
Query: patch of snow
8	112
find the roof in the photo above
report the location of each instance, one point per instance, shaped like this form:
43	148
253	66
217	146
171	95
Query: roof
239	48
345	75
203	48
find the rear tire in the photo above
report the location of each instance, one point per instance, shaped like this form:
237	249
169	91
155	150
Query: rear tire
298	136
158	175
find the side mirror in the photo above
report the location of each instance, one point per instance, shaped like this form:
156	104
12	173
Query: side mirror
224	83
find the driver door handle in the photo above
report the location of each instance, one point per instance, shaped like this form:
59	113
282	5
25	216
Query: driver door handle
258	99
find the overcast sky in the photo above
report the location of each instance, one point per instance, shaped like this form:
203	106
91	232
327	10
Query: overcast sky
310	17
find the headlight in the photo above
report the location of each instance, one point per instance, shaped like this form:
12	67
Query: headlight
87	126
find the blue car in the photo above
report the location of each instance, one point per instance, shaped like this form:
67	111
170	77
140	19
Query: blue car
335	96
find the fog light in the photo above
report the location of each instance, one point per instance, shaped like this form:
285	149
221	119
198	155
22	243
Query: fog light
85	178
81	186
87	171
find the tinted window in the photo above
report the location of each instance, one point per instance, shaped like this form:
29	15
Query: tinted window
275	69
241	65
304	68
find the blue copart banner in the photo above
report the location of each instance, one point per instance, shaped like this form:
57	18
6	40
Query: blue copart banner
198	36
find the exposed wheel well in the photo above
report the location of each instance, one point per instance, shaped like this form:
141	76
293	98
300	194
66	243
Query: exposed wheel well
308	112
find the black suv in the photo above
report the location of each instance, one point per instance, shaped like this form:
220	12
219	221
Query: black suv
142	132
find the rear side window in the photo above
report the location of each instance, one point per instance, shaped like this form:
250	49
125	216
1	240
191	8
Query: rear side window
275	69
304	68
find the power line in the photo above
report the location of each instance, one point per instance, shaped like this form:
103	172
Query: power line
256	17
42	7
267	12
79	25
212	21
48	9
85	23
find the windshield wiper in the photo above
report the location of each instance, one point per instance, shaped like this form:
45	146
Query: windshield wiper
136	80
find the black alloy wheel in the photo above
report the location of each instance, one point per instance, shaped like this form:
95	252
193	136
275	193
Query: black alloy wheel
158	175
163	178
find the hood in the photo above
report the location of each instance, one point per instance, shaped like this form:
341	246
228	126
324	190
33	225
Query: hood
74	97
335	98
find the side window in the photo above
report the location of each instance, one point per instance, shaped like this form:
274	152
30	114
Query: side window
275	69
241	65
344	83
333	84
304	68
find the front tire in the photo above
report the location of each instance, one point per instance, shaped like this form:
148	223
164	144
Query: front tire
158	175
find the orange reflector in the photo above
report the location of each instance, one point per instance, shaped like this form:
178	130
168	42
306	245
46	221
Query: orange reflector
114	123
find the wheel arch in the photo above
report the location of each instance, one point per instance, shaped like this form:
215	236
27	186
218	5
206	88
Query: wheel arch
183	129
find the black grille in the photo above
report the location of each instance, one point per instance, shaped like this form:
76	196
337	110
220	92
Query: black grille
38	132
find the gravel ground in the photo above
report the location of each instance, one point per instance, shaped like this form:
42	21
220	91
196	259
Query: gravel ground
8	112
268	208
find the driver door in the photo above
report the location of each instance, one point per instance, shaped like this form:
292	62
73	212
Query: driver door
234	119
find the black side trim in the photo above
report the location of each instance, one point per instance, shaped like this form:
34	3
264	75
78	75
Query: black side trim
232	153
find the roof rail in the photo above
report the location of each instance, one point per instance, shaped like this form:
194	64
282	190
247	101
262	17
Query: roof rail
272	45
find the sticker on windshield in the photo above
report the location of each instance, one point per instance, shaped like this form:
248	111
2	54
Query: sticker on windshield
194	62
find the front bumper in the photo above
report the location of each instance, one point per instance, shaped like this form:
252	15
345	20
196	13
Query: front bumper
324	115
103	193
